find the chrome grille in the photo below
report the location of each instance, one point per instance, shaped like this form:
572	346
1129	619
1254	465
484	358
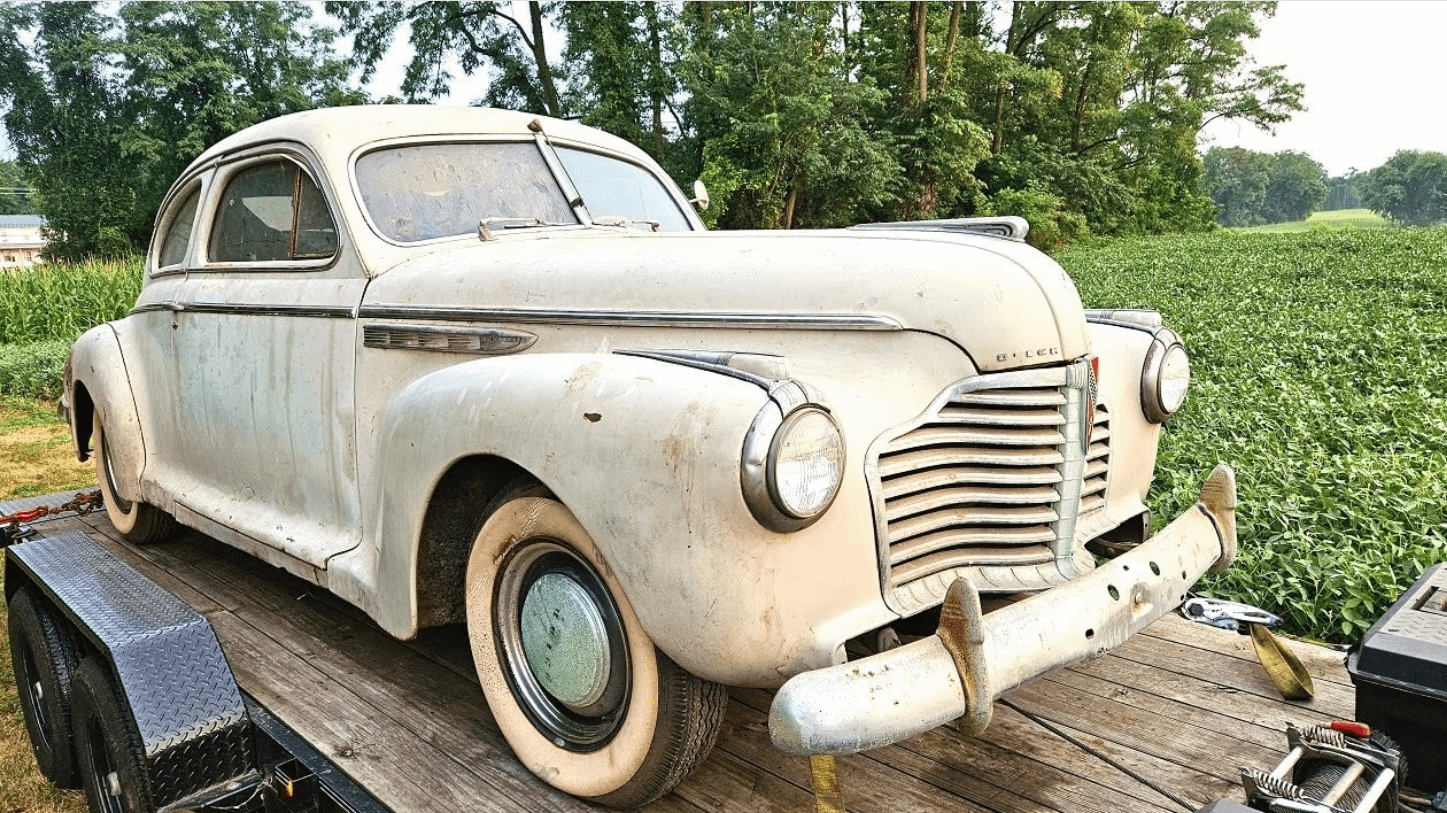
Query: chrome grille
988	481
1097	464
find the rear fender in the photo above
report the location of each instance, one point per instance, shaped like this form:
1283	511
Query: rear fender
97	381
646	454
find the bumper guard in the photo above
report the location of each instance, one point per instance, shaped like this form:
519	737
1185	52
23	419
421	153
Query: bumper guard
973	657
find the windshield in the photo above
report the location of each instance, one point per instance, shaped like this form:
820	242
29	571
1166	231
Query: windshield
613	188
426	191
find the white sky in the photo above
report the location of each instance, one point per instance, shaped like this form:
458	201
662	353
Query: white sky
1374	72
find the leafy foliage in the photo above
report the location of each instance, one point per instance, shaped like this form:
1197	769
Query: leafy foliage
63	301
1253	188
33	370
814	114
104	111
1410	188
44	309
16	196
1318	373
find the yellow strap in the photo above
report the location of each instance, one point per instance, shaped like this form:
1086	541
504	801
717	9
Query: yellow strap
1281	664
828	796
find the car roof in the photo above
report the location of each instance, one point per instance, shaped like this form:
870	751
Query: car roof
334	133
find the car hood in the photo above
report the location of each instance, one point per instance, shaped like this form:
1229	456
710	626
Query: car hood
1001	301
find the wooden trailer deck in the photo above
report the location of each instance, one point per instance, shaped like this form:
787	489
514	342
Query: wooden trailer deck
1161	724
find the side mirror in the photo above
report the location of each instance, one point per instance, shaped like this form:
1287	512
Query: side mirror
700	195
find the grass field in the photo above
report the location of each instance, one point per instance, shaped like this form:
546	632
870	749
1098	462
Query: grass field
1320	372
1336	219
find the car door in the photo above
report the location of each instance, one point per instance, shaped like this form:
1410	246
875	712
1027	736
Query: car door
263	348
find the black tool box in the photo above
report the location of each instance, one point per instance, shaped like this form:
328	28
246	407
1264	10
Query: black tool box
1400	672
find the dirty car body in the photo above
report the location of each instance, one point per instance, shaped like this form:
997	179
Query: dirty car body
460	365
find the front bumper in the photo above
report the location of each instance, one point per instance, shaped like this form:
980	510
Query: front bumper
959	671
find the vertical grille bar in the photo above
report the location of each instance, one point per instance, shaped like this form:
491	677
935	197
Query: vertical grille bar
988	481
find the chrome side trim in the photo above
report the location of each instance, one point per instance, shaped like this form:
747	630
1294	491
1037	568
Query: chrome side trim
604	318
478	341
247	309
151	308
699	360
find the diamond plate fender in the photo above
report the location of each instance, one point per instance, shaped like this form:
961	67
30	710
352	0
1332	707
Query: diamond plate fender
164	655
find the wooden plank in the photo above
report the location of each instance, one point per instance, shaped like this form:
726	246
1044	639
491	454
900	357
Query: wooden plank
1244	675
1323	663
276	616
1176	699
1015	767
1163	721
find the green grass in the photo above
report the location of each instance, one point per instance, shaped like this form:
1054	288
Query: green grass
1335	219
1320	372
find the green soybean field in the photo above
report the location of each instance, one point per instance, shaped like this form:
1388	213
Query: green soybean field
1319	365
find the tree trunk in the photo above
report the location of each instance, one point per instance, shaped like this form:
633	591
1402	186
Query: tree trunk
540	56
919	65
997	140
655	77
956	11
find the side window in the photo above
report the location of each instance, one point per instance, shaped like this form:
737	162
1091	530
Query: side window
272	211
178	233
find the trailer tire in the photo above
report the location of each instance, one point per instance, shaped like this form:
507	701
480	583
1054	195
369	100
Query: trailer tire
140	523
109	753
622	734
44	653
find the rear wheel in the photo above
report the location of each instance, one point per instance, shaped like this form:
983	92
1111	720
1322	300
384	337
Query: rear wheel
108	747
45	656
586	701
138	522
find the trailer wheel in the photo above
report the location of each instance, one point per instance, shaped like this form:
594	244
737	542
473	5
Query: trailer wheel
138	522
586	701
109	753
44	654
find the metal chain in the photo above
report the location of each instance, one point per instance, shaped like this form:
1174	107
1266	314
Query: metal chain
82	503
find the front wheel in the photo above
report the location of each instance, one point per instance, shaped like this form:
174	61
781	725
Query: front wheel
586	701
138	522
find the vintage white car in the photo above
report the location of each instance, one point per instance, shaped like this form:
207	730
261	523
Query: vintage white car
472	366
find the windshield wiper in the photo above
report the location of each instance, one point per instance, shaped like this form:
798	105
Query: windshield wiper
623	220
484	226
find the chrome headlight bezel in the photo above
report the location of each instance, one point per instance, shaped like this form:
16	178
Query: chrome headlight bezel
760	471
1165	377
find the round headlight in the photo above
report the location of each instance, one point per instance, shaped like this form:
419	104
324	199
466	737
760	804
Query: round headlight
806	463
1165	378
792	466
1175	378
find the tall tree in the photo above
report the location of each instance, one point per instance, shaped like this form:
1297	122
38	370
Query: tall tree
478	35
1297	188
1237	180
623	82
105	110
1410	188
64	110
792	148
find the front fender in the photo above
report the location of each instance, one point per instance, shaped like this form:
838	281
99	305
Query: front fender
646	454
97	379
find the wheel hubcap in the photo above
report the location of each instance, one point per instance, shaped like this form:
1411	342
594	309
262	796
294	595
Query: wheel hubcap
561	644
565	641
